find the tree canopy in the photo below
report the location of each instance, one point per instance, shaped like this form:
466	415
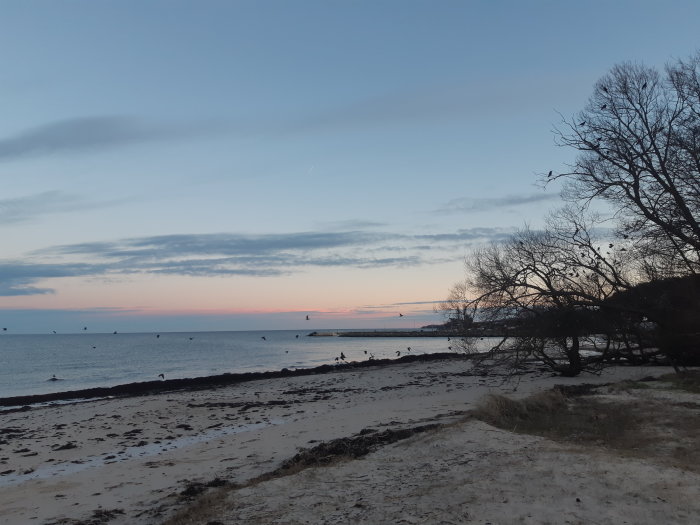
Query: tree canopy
638	148
638	139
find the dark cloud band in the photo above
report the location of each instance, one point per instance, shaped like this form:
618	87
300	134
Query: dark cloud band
229	254
95	133
473	205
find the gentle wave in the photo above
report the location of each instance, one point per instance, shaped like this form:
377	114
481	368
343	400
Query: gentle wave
29	363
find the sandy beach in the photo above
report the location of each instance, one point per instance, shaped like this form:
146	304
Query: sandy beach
145	459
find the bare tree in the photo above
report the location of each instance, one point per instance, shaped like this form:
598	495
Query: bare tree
543	292
638	143
639	149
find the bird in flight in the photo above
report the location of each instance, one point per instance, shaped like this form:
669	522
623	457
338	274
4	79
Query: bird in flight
400	314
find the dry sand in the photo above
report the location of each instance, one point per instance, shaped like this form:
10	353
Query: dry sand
128	460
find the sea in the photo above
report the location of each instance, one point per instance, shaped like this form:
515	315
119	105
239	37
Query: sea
41	364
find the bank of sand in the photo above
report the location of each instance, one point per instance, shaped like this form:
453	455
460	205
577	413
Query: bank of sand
129	460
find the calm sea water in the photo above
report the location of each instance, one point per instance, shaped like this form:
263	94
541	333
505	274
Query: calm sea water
85	360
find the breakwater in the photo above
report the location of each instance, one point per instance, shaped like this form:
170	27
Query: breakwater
386	333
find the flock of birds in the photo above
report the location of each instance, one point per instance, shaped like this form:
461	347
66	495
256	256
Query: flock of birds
338	359
308	318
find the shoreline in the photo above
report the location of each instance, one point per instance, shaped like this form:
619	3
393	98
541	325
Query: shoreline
143	388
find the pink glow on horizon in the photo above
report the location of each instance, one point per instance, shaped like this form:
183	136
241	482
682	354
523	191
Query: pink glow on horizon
359	313
374	312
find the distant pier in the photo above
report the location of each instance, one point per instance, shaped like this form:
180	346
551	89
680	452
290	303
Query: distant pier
386	333
408	333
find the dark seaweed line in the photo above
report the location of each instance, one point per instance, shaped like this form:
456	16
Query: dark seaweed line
201	383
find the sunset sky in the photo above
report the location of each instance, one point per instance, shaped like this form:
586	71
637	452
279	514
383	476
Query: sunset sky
234	165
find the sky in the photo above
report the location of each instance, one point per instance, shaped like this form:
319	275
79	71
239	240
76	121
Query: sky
239	165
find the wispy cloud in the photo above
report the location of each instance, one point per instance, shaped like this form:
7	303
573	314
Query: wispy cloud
230	254
27	208
271	254
413	303
222	244
235	254
473	205
357	224
431	103
394	306
94	133
19	278
467	235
